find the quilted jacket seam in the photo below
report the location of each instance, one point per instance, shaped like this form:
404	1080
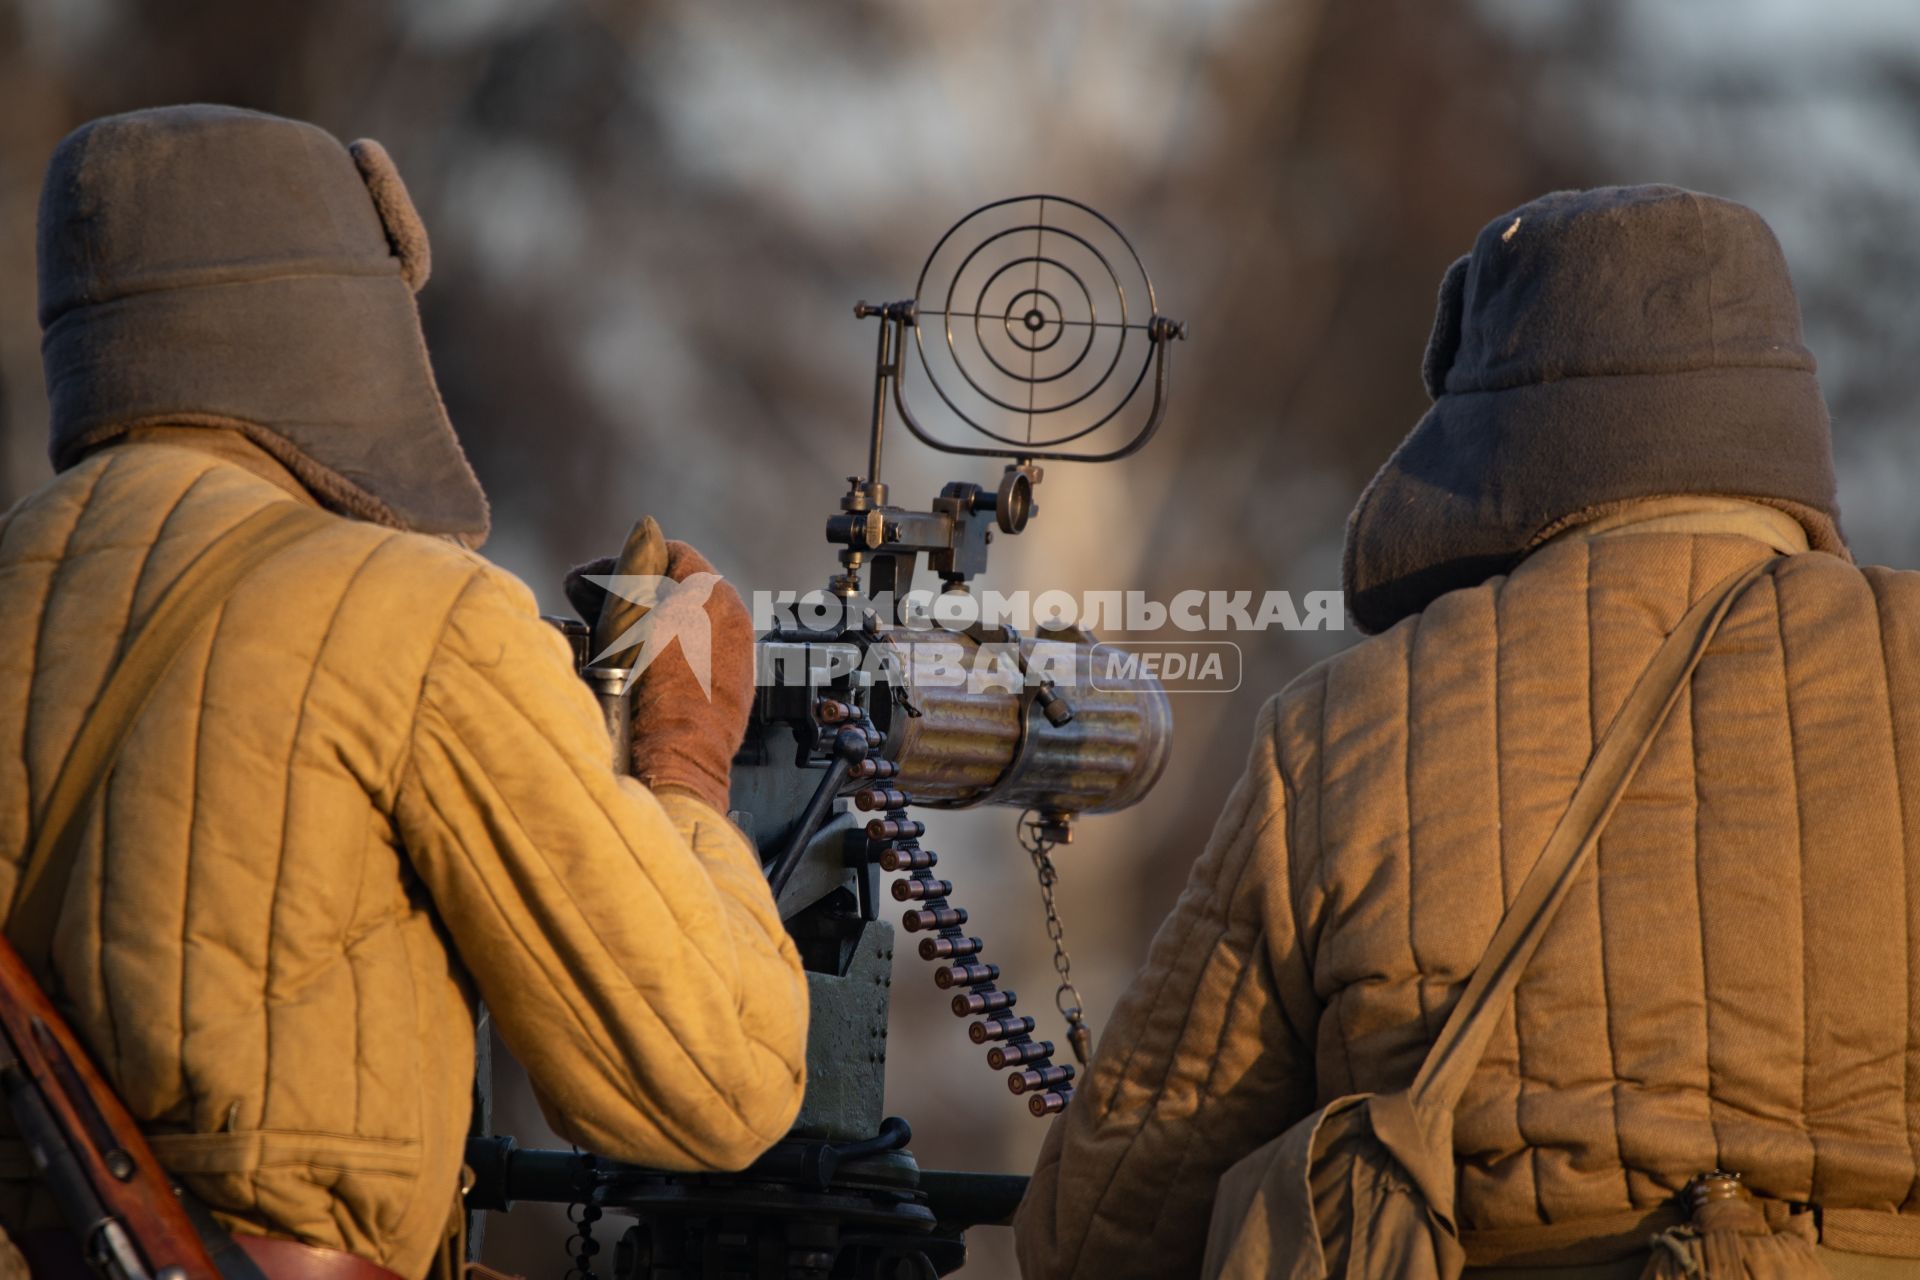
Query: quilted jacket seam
539	740
46	608
107	784
1160	1089
1699	883
1300	851
1900	816
113	1056
1406	795
1321	876
1191	923
26	718
610	1068
1600	911
152	544
403	759
1100	1200
1247	969
1800	861
267	969
1531	1148
187	1096
351	931
697	841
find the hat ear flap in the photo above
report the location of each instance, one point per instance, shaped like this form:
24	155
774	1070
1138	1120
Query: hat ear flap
405	232
1444	344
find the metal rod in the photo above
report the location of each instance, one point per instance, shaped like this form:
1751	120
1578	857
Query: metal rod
883	369
1143	326
782	867
505	1173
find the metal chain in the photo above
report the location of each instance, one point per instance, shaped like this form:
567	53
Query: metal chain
581	1246
1066	996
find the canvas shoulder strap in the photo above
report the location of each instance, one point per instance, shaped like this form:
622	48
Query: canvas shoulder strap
1443	1077
187	606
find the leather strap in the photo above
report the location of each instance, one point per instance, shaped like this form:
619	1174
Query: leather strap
1443	1077
223	1249
188	606
55	1254
291	1260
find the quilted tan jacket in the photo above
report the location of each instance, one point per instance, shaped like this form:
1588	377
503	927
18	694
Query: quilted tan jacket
375	779
1734	983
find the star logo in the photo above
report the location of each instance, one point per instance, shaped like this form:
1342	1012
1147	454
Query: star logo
670	611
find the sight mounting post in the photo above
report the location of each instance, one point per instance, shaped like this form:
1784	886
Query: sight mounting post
1036	327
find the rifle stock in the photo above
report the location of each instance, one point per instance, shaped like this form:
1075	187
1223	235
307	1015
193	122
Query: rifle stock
109	1186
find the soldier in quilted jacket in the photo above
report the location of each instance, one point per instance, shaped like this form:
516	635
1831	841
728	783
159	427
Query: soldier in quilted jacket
1623	416
374	789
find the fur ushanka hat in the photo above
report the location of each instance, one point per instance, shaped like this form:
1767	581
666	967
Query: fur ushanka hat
208	266
1595	347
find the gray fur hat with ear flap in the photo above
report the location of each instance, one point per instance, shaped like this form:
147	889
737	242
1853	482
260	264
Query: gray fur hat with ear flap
215	267
1594	348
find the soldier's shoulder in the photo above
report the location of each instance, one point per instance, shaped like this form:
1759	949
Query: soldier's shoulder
1368	658
406	551
1297	712
1896	590
432	564
1369	681
1824	581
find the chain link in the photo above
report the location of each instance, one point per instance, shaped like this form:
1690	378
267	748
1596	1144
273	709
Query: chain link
583	1213
1066	996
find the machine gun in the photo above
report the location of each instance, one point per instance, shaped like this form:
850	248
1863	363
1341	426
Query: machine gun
1027	323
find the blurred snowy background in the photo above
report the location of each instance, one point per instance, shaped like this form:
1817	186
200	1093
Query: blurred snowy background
651	217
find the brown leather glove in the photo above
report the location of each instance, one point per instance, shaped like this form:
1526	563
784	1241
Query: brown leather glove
685	735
